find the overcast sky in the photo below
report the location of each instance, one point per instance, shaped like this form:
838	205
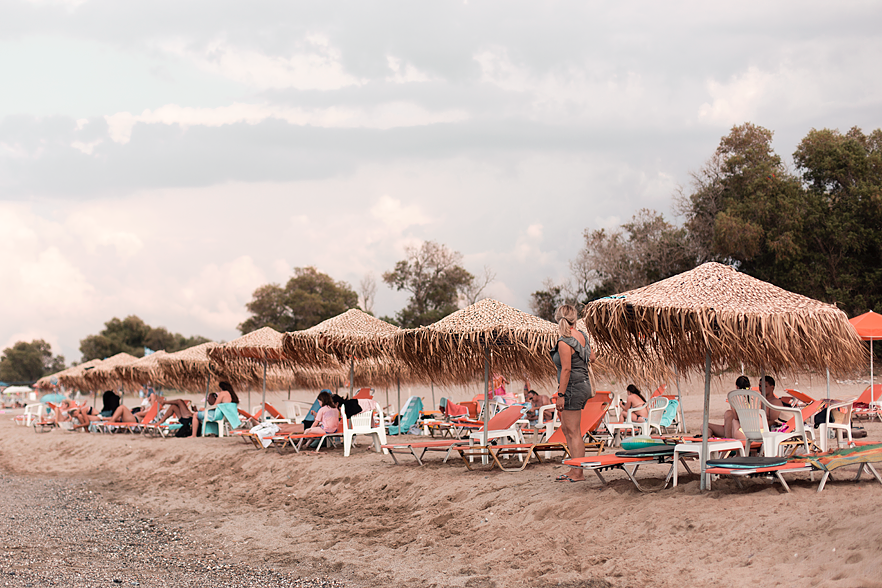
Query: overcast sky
166	158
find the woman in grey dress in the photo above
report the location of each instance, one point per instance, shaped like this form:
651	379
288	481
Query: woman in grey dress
572	355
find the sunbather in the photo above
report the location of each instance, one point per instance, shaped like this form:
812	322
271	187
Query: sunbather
327	419
61	412
537	401
638	402
178	408
226	395
731	428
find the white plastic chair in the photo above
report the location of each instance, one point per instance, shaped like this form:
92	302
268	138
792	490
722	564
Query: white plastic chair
550	425
364	423
296	411
840	425
657	408
751	408
32	413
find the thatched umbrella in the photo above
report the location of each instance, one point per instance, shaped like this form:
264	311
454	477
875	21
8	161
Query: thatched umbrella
144	370
73	377
715	316
104	374
345	338
189	369
263	345
455	349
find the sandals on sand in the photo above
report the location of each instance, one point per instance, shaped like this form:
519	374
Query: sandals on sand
566	478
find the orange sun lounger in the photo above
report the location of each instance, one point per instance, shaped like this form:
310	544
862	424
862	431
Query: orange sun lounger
591	417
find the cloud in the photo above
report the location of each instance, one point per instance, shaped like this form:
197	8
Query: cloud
314	65
736	101
383	116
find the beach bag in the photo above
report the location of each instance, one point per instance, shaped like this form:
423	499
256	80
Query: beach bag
670	414
186	427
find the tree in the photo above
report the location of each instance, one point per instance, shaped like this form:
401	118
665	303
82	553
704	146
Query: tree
814	232
543	303
131	335
433	275
28	362
368	292
308	298
645	250
472	291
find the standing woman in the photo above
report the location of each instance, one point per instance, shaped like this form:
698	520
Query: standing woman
571	355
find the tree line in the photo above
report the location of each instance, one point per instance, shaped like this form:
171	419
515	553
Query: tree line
814	229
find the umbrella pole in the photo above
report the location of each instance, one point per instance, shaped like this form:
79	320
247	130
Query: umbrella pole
289	391
704	427
398	380
352	375
433	396
263	400
205	406
680	402
486	399
828	384
871	374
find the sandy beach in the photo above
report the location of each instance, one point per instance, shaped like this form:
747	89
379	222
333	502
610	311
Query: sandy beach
362	521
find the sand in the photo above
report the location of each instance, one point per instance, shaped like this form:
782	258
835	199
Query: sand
363	521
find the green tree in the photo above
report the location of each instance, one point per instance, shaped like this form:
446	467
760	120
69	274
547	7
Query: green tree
131	335
644	250
543	303
308	298
28	362
436	281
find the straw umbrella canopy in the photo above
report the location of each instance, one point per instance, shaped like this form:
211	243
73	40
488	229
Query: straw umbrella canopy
190	369
142	371
869	328
263	345
73	377
715	316
104	374
351	337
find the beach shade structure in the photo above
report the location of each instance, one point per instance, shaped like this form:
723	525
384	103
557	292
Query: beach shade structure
343	339
72	377
460	347
145	370
190	369
104	376
869	328
262	346
714	317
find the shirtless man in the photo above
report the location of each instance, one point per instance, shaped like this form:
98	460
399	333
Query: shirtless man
537	400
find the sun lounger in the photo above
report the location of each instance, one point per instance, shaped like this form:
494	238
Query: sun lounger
735	467
865	455
622	459
502	423
591	417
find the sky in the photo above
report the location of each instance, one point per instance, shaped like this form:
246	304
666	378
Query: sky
165	159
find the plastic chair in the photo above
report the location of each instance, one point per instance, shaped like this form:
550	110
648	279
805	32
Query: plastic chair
657	406
751	408
364	423
838	422
32	413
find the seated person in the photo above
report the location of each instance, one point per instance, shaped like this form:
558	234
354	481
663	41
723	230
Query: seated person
327	419
226	395
111	403
61	412
774	417
351	405
637	401
178	408
537	401
731	428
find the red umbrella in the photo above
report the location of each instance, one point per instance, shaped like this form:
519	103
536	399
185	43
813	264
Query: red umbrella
869	328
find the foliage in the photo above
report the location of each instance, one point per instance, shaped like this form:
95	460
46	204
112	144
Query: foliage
28	362
131	335
433	275
642	251
543	303
308	298
815	232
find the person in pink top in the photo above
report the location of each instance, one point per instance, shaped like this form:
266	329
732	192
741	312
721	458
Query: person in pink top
327	420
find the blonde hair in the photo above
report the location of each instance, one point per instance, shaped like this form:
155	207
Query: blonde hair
566	317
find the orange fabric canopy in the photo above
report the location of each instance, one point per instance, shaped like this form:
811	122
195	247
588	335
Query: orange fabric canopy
868	325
